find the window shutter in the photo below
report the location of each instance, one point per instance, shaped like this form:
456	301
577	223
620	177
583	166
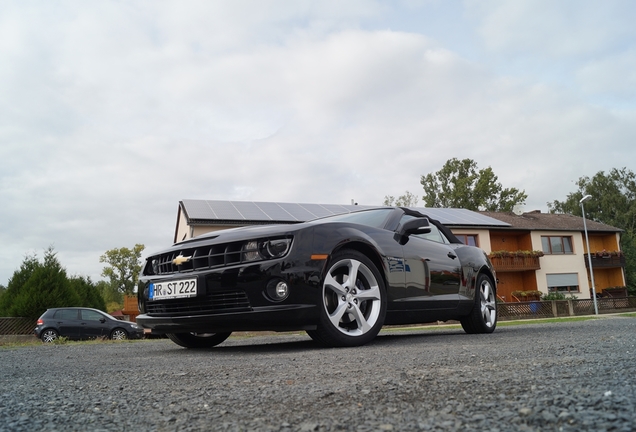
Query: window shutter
563	279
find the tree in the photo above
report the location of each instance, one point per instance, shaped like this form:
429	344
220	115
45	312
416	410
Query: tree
37	286
112	297
407	200
123	267
87	292
16	282
460	185
613	203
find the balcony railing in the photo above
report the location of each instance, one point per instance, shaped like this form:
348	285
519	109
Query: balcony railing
600	261
515	263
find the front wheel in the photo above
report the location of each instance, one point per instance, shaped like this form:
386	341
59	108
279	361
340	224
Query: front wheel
119	334
483	317
198	340
353	301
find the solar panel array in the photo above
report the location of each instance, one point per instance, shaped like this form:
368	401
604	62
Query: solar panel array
252	211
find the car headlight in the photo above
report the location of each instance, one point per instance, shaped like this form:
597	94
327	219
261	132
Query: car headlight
155	266
275	248
257	250
250	251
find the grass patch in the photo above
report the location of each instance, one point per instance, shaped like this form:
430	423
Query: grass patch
545	321
433	327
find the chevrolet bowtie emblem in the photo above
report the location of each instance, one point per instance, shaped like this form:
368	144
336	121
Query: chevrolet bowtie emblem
180	260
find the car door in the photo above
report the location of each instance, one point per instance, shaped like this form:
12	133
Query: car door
432	272
67	323
93	324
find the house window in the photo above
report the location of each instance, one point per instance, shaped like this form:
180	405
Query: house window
563	283
556	244
468	239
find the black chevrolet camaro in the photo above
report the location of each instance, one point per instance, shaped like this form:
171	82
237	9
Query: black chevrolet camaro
340	278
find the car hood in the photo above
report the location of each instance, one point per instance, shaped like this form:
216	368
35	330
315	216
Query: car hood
236	234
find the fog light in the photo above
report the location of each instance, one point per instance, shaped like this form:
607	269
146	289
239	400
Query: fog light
277	290
281	290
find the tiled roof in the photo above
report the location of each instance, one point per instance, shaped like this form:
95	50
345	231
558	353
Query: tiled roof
536	220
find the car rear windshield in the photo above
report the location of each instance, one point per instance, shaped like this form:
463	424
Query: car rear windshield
374	218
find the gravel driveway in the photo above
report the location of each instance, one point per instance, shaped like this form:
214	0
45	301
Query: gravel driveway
566	376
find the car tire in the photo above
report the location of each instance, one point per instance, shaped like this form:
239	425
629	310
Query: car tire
49	335
198	340
351	314
483	316
119	334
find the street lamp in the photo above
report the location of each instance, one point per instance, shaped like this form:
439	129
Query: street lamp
589	252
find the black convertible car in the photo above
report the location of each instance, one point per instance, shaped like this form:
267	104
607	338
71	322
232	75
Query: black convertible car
340	278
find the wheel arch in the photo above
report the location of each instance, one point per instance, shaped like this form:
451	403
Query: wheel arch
367	250
488	272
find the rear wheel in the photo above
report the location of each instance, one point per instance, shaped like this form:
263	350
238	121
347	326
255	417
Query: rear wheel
198	340
49	335
483	317
353	301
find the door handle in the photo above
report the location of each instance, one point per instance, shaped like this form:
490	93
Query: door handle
452	255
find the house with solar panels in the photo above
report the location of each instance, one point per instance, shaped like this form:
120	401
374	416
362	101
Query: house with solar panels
532	252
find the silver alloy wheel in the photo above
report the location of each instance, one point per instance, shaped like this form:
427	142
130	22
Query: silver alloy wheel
49	336
352	297
119	334
488	303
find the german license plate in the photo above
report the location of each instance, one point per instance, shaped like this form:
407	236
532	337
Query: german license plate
173	289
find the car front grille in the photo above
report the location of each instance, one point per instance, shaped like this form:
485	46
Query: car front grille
217	302
200	258
204	257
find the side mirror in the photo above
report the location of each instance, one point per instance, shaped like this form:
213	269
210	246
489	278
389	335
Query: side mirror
415	226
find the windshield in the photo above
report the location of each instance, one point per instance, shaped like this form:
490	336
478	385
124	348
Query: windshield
373	218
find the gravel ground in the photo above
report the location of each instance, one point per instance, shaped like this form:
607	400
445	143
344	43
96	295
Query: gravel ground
568	376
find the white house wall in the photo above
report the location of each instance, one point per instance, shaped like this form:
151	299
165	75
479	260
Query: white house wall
558	263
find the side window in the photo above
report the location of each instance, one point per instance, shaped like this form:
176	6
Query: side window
66	314
91	315
435	235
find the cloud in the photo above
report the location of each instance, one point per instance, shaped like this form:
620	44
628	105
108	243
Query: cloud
115	112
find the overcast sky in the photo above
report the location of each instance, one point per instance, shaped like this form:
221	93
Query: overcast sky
111	112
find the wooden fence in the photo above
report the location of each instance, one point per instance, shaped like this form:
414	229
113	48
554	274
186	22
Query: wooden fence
564	308
17	326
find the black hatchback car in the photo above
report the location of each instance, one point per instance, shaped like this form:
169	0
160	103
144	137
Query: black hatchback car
77	323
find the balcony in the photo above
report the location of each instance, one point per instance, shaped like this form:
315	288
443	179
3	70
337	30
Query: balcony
505	261
606	260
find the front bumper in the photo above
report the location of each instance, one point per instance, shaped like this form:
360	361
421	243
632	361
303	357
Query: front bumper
237	299
276	318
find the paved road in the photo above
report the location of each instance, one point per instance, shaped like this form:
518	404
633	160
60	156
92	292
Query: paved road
532	377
